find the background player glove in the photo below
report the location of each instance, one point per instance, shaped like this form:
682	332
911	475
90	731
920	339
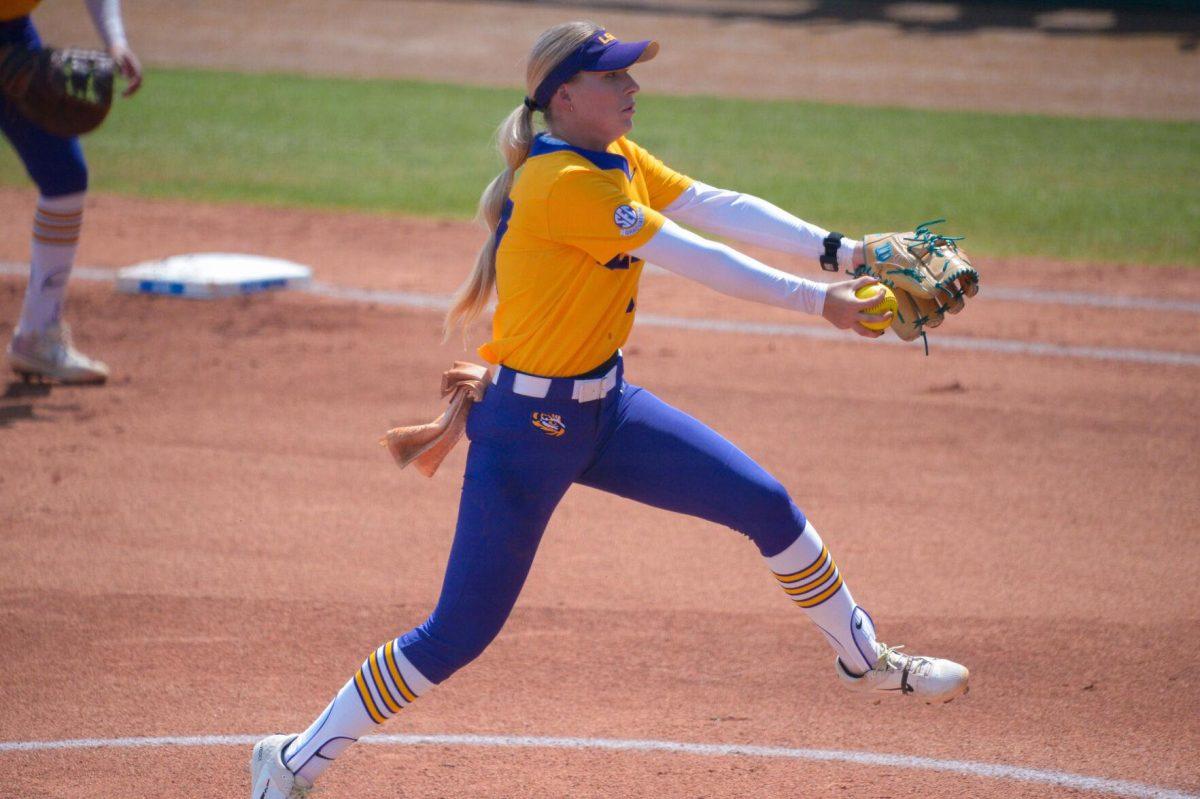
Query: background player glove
928	272
65	92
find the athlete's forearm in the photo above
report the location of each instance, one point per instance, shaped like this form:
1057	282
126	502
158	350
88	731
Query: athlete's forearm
106	16
747	218
730	272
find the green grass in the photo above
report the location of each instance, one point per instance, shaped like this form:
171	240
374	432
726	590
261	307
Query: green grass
1112	190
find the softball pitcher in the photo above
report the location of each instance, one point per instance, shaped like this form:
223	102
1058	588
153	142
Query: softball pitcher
41	344
575	215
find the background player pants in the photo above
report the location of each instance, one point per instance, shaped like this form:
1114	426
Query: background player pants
527	451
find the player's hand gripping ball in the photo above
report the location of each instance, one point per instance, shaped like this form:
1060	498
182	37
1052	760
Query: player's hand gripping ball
887	302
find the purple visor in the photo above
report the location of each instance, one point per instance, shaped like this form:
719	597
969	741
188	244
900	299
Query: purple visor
600	53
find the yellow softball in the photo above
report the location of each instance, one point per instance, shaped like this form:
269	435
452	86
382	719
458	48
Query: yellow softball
887	302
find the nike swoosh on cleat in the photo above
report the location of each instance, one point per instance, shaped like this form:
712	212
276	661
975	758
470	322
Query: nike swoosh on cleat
904	686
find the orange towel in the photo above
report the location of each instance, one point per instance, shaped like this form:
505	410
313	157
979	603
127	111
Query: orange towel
428	444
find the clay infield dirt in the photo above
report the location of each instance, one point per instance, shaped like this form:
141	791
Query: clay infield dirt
210	544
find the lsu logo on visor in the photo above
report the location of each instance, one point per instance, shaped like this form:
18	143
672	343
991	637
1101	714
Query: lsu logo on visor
549	423
605	38
628	219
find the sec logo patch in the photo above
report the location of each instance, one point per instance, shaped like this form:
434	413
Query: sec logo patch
549	423
628	219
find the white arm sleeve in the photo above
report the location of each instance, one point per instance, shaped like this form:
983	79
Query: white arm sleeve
744	217
106	15
730	272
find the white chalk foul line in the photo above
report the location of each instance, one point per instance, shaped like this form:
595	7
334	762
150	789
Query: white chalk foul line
1006	346
996	345
437	302
1087	299
398	299
1004	294
966	768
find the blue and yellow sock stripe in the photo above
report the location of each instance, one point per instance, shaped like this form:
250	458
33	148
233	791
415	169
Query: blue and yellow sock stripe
813	584
62	229
381	685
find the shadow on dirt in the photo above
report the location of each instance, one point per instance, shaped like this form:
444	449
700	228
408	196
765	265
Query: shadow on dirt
23	402
12	409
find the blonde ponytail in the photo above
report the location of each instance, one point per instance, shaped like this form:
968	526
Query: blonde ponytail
514	137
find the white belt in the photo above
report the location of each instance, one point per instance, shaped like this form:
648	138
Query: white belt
582	391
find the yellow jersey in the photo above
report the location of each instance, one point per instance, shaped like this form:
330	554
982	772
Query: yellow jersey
566	284
15	9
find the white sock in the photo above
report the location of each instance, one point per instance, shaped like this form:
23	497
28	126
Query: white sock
56	226
810	577
384	685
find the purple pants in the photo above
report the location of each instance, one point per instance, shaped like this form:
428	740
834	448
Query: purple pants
526	451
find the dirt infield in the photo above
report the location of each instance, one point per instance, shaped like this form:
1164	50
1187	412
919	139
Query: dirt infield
210	544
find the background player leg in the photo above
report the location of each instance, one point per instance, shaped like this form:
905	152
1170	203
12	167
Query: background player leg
56	226
41	342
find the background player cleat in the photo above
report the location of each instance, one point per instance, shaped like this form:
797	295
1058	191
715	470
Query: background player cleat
52	357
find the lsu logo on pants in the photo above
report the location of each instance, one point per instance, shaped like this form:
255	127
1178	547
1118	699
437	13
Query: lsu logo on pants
549	423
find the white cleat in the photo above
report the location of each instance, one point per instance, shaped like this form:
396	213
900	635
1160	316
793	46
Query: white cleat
931	679
269	777
51	356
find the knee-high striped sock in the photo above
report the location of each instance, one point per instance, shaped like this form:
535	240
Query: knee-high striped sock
810	577
56	226
385	684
